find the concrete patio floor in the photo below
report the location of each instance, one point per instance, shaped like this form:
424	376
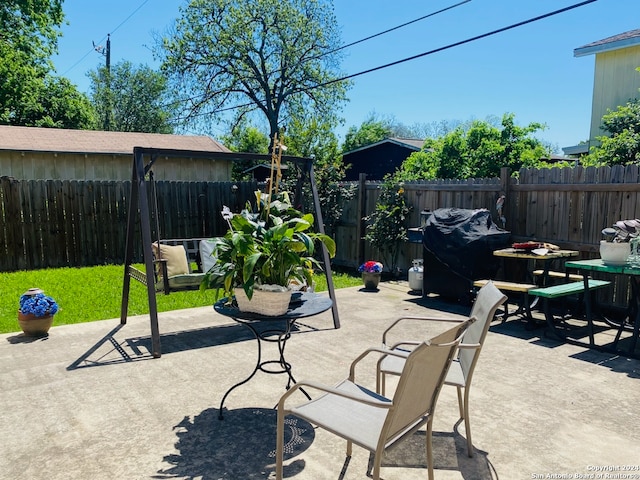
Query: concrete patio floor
89	401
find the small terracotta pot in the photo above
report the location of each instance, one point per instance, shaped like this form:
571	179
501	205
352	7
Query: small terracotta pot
33	326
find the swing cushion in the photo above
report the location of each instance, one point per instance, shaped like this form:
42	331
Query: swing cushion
206	249
176	257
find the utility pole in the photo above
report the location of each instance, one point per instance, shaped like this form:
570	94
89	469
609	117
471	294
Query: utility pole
107	53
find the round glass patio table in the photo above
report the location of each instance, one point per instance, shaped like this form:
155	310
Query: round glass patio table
278	331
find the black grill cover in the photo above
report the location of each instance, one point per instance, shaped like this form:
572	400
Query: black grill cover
463	241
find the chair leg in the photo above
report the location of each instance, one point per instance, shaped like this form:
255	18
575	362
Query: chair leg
467	423
430	448
460	401
377	460
349	448
279	445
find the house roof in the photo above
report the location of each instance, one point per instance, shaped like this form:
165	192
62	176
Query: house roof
411	143
622	40
59	140
581	149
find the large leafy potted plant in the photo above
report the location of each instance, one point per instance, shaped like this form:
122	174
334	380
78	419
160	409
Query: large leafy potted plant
265	251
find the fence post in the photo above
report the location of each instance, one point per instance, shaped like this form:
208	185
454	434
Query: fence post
362	212
505	184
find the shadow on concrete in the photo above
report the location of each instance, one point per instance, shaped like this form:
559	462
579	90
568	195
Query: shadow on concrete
22	338
449	453
242	446
109	350
439	303
612	361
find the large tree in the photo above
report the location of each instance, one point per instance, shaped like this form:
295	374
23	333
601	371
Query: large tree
133	98
230	58
31	27
29	93
54	102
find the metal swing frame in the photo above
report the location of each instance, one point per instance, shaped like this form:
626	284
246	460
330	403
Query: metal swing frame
139	211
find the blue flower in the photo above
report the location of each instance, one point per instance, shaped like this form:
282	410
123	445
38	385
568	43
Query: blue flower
370	267
39	305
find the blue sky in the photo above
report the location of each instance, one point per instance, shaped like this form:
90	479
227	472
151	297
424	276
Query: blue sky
529	71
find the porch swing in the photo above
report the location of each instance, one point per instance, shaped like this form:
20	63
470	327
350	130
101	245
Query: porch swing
174	259
157	274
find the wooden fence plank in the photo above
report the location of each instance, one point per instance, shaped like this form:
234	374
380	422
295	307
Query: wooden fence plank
30	227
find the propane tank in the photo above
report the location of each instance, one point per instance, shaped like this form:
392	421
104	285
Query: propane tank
415	275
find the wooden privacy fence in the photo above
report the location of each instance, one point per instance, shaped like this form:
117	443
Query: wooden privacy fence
568	207
72	223
53	223
428	195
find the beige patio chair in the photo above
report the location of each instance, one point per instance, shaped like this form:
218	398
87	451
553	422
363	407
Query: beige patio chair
370	420
488	300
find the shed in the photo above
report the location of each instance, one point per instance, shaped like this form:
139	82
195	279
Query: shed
380	158
32	153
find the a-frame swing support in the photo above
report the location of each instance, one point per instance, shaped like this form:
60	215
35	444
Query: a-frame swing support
139	209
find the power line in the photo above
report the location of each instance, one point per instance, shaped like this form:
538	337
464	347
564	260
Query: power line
420	55
354	43
103	38
395	28
451	45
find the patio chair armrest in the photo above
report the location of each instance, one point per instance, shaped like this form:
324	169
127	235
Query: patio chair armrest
374	402
404	342
384	352
418	318
470	345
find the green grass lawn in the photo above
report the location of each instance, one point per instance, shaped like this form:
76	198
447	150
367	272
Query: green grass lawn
95	293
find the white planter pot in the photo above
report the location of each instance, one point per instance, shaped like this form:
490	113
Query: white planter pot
263	302
614	253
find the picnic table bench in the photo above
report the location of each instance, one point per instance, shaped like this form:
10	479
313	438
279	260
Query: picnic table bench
564	290
523	288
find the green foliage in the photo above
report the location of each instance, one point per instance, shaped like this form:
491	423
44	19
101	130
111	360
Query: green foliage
272	246
54	102
247	139
135	97
31	27
70	286
262	56
313	138
425	161
29	94
478	151
623	146
386	225
378	127
370	131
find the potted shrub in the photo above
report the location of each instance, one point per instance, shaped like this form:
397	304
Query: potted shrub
264	251
36	312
